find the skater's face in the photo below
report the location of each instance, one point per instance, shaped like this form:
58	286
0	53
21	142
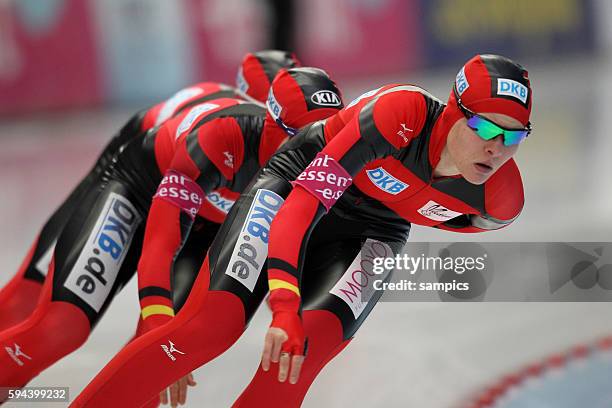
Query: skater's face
478	159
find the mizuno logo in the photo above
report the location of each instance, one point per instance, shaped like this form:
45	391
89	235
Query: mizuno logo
171	349
15	354
403	131
229	160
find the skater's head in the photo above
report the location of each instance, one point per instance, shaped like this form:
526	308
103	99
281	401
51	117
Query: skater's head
491	98
258	69
299	96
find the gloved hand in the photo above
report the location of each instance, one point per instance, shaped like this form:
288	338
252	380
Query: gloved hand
285	344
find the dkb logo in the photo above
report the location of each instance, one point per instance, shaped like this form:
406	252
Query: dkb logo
385	181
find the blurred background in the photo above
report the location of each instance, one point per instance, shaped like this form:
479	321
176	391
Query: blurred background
73	71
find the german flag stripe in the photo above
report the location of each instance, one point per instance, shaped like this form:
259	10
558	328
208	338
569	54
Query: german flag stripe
156	310
281	284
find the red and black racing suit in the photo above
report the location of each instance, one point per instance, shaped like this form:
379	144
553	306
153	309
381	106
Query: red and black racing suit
388	142
19	296
216	147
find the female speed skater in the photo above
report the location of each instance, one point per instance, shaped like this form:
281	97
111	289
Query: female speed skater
199	160
341	188
257	70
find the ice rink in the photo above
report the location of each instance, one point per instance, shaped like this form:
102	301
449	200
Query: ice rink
426	355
